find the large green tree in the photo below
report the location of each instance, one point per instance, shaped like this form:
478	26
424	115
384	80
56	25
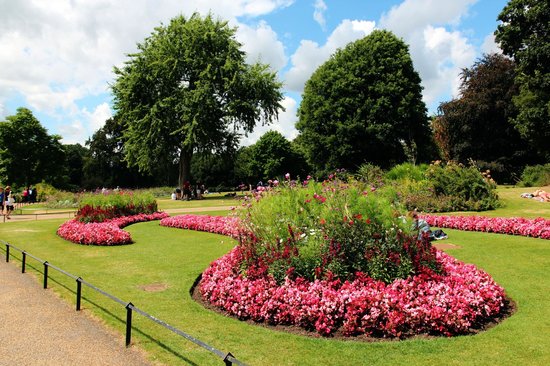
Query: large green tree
75	157
364	105
186	90
28	154
524	35
477	126
272	156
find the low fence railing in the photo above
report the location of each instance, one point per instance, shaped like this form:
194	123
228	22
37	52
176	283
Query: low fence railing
227	358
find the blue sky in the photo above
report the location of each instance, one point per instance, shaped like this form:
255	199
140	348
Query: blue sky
56	57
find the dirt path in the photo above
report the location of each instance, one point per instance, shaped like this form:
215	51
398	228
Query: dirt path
38	328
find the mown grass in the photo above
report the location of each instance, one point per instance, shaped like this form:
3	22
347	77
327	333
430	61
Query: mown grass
176	257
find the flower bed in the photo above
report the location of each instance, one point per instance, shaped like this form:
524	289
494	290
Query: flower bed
448	304
537	228
108	232
213	224
453	302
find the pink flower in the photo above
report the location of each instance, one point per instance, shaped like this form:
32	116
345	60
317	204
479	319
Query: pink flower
108	232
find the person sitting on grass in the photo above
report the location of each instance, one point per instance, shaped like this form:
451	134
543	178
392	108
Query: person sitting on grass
423	228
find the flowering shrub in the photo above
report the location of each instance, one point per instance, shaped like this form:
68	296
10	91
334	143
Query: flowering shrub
101	207
330	229
537	228
108	232
228	226
460	298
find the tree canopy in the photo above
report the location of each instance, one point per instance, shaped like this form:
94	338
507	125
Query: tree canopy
272	156
188	89
28	154
363	105
524	35
477	124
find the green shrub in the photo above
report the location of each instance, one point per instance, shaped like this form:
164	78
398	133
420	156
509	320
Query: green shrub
407	171
62	199
535	176
100	207
466	187
371	174
331	229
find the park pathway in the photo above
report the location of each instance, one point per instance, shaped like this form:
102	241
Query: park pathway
38	328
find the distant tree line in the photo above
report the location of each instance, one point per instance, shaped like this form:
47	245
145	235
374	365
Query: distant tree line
185	99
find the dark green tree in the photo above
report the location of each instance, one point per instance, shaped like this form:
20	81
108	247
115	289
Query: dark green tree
272	156
28	154
363	105
524	35
477	124
216	169
104	165
75	156
186	90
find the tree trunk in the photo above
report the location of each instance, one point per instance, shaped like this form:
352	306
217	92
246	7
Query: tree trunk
185	166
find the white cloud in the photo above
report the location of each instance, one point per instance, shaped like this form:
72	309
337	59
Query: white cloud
262	44
411	15
319	13
309	55
438	53
55	53
489	45
285	124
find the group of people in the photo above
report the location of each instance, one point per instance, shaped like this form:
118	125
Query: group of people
7	199
189	192
538	195
29	195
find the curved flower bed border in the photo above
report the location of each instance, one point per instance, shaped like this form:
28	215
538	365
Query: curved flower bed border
108	232
462	299
536	228
213	224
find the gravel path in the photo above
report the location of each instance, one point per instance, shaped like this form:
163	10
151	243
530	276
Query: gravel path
38	328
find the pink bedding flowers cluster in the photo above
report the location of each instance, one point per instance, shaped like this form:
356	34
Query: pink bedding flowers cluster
537	228
447	304
228	226
108	232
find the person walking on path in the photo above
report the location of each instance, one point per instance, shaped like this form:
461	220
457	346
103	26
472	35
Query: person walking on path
9	200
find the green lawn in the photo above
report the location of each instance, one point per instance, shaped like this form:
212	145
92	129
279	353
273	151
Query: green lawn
210	200
176	257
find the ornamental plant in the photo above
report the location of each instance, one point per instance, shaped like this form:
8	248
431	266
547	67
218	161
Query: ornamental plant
105	206
331	229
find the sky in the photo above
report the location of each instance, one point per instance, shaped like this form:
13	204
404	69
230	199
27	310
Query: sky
57	56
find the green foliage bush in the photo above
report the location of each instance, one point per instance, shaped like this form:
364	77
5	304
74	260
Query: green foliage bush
100	207
435	188
407	171
535	176
331	229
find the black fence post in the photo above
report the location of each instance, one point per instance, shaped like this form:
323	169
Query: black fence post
226	360
78	293
23	261
7	252
46	274
128	323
